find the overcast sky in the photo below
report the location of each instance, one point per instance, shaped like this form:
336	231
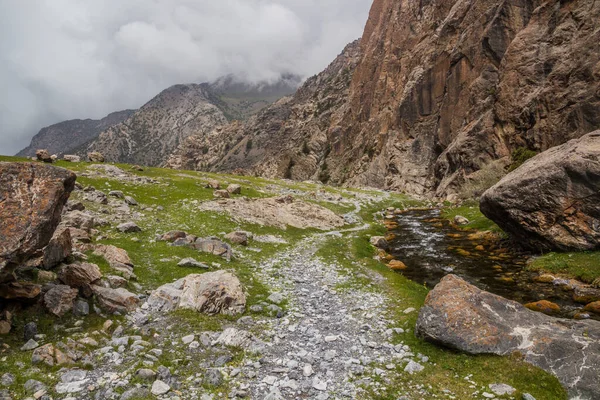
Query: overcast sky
67	59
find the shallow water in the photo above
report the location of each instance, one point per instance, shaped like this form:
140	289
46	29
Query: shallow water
432	248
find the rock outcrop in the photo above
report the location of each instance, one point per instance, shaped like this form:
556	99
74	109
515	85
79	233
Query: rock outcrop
67	136
32	197
463	317
552	201
218	292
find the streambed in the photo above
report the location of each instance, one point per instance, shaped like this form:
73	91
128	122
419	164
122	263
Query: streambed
431	247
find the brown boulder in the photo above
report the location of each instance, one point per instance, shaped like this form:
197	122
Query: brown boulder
463	317
32	197
586	294
234	189
593	307
213	246
115	300
222	193
172	236
59	248
79	220
117	258
50	355
79	275
213	184
238	237
218	292
553	200
59	299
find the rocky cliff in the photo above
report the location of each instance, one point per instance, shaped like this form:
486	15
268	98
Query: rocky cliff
444	88
66	136
435	92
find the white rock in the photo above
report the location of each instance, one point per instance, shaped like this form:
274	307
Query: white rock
307	370
188	339
159	387
319	384
413	367
502	389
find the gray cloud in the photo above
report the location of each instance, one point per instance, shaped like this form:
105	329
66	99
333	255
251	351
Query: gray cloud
65	59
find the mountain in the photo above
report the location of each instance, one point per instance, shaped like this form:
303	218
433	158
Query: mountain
66	136
440	93
287	139
150	135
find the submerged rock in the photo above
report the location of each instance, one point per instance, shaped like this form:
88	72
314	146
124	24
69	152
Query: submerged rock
218	292
552	201
463	317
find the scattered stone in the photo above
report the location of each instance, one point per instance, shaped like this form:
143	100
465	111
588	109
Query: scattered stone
116	282
213	377
188	339
238	237
172	236
59	299
73	381
276	298
43	155
81	308
97	196
233	337
29	331
214	246
159	388
7	379
32	386
413	367
234	189
30	345
501	389
116	193
79	275
5	327
460	220
396	265
58	249
115	300
379	242
586	294
71	158
146	374
222	193
95	157
131	201
212	184
128	227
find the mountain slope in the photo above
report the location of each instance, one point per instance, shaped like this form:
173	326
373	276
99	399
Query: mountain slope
66	136
150	135
287	139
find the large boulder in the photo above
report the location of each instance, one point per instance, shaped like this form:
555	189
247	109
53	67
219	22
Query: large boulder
32	197
463	317
79	275
218	292
59	248
552	201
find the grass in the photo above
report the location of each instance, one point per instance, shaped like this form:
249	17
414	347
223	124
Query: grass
584	266
470	210
178	193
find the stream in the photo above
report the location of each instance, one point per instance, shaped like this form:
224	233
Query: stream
431	247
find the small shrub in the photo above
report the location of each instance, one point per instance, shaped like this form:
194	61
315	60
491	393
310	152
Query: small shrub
519	156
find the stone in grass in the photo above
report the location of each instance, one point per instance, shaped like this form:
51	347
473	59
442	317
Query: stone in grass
146	374
159	388
129	227
234	189
379	242
131	201
502	389
222	193
7	379
116	193
213	377
460	220
33	386
238	237
191	263
413	367
276	298
30	345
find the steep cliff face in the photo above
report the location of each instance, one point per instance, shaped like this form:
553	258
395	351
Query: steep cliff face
287	139
445	87
66	136
156	129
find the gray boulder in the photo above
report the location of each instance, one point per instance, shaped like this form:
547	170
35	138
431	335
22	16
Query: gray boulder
552	201
218	292
213	246
463	317
59	299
